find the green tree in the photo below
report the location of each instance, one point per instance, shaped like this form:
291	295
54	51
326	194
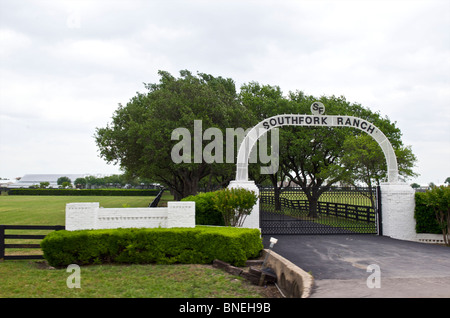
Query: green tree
364	162
80	183
139	137
438	198
44	185
115	181
63	179
93	181
66	184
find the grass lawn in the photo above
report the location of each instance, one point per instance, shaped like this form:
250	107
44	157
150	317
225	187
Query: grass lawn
50	210
34	278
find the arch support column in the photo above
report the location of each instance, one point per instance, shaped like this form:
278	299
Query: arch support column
397	208
252	220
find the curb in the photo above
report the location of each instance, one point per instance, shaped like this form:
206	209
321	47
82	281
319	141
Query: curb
291	279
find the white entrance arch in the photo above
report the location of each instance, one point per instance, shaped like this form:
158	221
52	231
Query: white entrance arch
397	197
314	120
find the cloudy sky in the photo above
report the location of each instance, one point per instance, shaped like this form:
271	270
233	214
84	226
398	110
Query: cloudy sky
66	65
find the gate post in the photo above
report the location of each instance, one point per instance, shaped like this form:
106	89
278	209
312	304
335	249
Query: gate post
379	212
397	200
2	242
252	220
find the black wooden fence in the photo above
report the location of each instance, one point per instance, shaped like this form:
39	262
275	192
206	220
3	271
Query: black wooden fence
4	237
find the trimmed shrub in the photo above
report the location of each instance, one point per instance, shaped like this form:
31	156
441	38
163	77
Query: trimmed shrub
199	245
234	204
425	216
206	212
82	192
438	198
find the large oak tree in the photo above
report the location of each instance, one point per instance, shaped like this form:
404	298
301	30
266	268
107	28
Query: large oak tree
139	136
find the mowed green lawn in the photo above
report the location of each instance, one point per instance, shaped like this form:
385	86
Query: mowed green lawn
50	210
33	278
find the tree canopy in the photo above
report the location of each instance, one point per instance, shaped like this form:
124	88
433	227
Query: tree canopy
141	136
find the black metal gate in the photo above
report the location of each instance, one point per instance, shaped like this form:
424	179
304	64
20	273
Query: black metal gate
337	211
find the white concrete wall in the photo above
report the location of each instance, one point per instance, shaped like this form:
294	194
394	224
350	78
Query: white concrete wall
430	238
181	214
87	216
81	215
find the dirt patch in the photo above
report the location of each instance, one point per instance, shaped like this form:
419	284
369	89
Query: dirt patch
262	281
41	265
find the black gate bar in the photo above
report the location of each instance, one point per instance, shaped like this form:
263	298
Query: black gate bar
4	236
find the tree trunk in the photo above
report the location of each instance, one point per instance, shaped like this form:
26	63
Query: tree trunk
313	194
190	186
313	207
276	193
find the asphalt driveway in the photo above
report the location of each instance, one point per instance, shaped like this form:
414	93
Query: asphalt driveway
339	265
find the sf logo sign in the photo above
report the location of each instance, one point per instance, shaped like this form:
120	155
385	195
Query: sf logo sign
317	108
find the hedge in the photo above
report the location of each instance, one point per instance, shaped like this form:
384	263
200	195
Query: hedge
205	211
93	192
425	216
199	245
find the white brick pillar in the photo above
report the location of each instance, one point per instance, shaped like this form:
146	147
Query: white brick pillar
397	208
181	214
81	216
252	220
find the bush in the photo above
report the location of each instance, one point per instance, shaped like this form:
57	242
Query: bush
93	192
199	245
425	217
206	212
235	204
438	199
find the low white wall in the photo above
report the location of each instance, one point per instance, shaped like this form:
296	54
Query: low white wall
87	216
430	238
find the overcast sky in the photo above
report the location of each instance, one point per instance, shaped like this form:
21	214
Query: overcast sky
66	65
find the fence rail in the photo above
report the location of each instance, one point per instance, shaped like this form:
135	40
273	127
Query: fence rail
348	211
3	237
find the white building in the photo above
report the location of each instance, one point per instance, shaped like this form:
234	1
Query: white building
35	179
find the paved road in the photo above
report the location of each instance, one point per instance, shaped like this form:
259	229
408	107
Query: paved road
339	265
